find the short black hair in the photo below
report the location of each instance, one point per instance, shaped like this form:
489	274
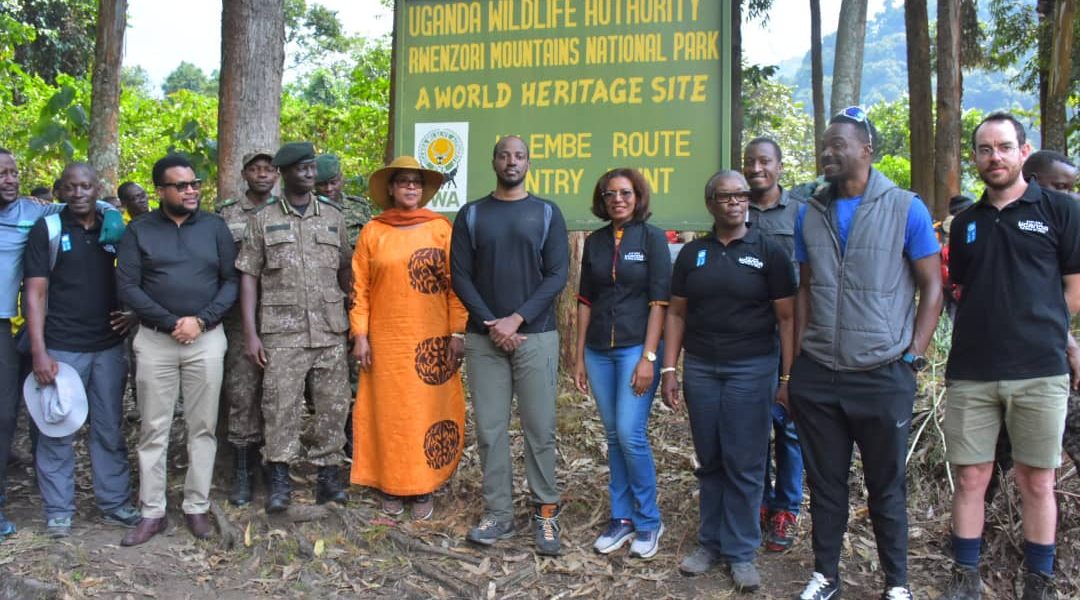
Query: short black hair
78	165
40	191
766	140
6	151
999	116
1042	160
166	163
122	191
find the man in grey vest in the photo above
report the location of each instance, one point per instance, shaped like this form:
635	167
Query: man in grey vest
864	248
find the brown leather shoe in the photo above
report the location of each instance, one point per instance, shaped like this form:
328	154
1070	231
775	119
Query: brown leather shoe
144	530
199	525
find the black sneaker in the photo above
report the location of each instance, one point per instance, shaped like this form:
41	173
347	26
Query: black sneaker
820	588
1039	586
546	530
965	584
125	516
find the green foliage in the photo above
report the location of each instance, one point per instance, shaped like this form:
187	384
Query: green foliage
63	35
135	78
187	76
896	168
768	110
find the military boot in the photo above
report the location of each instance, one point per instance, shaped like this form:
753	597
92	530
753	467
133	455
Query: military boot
277	500
329	486
244	460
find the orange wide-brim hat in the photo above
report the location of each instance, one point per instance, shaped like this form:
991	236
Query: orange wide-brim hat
379	182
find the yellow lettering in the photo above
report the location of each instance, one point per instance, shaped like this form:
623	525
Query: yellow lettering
679	87
560	145
650	144
450	18
697	45
554	181
659	178
472	95
528	15
422	100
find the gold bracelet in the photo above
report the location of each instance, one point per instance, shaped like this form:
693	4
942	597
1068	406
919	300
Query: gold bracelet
785	378
667	370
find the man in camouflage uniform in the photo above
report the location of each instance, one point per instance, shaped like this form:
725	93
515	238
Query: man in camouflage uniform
296	254
330	183
243	379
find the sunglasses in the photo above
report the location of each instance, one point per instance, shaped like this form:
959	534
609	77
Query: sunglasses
182	186
858	115
610	194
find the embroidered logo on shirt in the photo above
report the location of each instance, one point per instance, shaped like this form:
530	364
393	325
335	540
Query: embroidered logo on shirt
634	256
65	243
970	233
1033	226
752	261
700	258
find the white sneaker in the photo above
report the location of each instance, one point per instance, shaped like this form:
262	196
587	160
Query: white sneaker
646	543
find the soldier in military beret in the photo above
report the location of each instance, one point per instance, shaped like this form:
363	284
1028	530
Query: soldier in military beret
297	255
243	380
330	183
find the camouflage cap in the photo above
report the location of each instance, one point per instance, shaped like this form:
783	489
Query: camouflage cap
250	156
292	153
327	166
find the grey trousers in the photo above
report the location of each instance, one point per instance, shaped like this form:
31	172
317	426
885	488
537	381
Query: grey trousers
495	377
104	375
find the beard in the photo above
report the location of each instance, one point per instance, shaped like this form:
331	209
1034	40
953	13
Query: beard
177	210
507	182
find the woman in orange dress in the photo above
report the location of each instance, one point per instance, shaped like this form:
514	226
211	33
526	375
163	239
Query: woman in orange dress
408	328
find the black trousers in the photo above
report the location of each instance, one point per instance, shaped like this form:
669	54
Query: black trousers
834	410
9	398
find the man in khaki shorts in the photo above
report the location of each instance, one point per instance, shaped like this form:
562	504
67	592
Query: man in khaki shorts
1016	256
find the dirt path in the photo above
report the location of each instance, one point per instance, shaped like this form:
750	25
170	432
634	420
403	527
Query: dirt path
354	552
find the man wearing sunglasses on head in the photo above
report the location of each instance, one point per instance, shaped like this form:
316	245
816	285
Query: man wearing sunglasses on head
175	270
864	247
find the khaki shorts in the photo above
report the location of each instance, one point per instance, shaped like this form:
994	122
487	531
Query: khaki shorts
1033	411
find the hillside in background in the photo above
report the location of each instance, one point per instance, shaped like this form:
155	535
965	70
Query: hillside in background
885	68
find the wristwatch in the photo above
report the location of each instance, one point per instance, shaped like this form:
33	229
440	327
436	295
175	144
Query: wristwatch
649	356
916	362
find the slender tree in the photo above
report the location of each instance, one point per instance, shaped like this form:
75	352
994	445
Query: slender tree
736	84
817	78
249	96
921	99
947	144
1058	84
104	151
848	61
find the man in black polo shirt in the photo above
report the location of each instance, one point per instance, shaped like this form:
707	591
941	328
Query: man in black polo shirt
1016	255
72	317
176	272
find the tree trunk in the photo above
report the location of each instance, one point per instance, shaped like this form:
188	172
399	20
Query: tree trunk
949	94
249	96
848	60
736	85
921	100
104	152
817	78
389	150
566	304
1044	35
1057	88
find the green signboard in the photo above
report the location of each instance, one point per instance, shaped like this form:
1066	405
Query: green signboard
590	85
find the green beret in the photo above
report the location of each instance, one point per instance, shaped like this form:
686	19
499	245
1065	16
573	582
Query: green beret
327	167
292	153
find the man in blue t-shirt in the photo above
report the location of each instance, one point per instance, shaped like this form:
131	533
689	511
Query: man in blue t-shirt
864	247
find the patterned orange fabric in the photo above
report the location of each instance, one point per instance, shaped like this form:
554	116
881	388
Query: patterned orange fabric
409	419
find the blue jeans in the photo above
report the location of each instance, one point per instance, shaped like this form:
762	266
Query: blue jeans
104	375
626	422
786	493
729	404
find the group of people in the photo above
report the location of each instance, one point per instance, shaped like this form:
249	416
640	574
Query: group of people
801	324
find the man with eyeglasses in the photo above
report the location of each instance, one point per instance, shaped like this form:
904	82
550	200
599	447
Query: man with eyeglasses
296	266
175	270
864	247
1016	256
17	216
772	212
242	387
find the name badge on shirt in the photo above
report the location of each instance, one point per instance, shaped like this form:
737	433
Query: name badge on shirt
65	243
700	258
634	256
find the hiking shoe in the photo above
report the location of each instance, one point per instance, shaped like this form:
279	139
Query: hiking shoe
764	516
646	542
546	530
618	532
965	584
491	530
57	528
392	505
6	527
897	593
125	516
819	588
781	531
746	576
1039	586
697	562
423	507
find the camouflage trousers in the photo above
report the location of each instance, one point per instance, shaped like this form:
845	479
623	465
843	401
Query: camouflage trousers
324	373
242	388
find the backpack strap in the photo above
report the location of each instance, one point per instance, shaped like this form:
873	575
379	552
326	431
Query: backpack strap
470	223
52	225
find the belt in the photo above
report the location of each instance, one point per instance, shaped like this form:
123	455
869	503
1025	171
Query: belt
166	330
